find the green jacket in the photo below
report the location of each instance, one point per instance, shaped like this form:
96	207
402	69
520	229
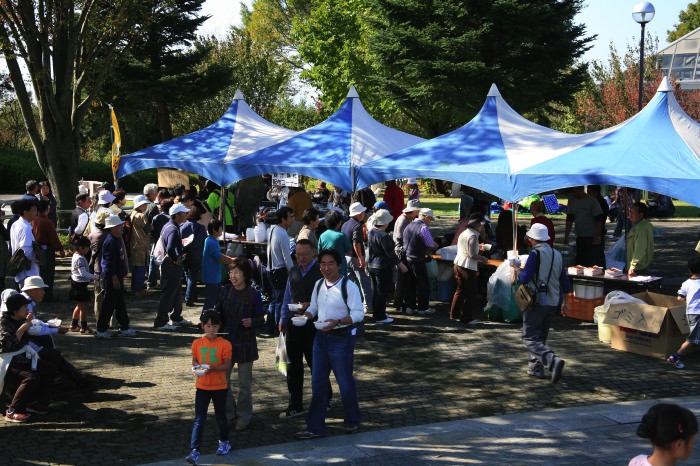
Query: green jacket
214	203
640	245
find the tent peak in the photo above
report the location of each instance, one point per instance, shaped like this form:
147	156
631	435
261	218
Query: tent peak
352	94
493	91
665	85
238	95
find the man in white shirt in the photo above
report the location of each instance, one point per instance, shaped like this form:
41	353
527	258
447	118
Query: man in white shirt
334	345
79	218
279	263
21	236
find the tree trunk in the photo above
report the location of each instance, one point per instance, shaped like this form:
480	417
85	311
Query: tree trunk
62	156
166	127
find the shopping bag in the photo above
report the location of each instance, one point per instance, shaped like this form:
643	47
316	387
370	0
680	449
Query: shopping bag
281	359
616	256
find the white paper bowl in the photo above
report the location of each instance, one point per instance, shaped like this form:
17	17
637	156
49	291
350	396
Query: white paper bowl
294	307
299	321
320	325
200	370
486	247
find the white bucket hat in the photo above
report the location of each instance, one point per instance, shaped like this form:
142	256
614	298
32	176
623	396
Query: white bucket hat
411	181
140	200
113	221
425	212
105	197
382	217
356	208
412	206
32	283
178	208
538	232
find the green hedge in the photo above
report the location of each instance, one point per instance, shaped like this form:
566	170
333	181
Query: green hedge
19	166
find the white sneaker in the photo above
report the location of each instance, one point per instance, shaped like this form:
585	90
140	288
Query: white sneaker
410	311
106	334
130	332
427	312
182	323
388	320
166	327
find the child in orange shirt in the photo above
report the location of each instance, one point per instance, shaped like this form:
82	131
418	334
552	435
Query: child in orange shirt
215	351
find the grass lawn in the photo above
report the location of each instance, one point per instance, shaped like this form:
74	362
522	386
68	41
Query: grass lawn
447	207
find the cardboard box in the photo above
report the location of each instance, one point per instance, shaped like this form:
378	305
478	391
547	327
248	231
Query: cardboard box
655	329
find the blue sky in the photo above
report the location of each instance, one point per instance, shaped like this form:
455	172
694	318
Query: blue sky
611	20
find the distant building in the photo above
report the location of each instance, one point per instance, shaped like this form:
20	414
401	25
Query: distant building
680	60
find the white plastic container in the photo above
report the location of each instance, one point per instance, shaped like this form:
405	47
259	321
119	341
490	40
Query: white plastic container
604	331
261	233
250	234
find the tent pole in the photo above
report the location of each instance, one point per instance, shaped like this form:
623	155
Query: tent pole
515	228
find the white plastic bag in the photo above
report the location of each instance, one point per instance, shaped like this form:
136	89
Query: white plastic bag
281	359
620	297
616	256
499	287
159	252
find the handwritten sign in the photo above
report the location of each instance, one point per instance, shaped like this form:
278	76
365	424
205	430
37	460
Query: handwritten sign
169	178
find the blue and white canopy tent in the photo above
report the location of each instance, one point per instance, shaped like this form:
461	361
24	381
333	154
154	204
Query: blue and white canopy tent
658	150
239	132
488	153
331	151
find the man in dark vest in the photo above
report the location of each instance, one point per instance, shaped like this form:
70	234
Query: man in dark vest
79	218
416	239
300	340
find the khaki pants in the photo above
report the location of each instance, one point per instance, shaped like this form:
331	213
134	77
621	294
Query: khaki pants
99	296
242	410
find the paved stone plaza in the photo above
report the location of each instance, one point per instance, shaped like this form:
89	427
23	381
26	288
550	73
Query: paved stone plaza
419	370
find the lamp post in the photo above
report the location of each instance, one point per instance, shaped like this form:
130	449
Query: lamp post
642	13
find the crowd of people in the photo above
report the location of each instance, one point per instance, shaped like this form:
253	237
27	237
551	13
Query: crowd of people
315	288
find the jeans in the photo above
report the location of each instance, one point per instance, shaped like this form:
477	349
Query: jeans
332	351
211	295
417	286
274	309
536	325
138	276
465	295
192	276
241	408
201	406
113	304
382	286
363	281
170	295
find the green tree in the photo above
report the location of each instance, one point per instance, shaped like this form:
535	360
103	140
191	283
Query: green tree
68	48
436	60
163	69
688	20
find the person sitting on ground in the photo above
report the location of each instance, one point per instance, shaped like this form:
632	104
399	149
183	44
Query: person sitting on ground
215	352
80	278
311	220
30	378
34	289
690	294
640	241
671	429
241	309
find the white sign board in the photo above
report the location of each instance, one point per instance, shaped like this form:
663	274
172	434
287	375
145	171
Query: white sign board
285	179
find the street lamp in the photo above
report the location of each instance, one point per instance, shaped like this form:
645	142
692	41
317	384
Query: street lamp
643	12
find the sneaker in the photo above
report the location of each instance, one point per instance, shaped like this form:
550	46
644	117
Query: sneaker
37	408
427	312
388	320
16	417
224	447
351	428
193	457
537	373
166	327
306	435
675	362
86	331
182	323
290	413
130	332
410	311
106	334
557	368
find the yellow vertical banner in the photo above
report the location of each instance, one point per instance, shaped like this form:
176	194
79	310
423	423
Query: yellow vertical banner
116	143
